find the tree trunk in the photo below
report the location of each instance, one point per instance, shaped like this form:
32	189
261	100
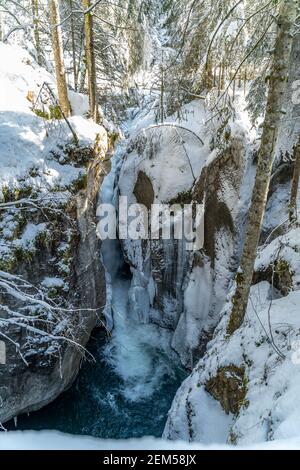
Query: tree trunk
277	86
162	90
1	27
220	78
208	78
90	62
81	64
223	75
36	33
82	76
295	183
75	75
58	58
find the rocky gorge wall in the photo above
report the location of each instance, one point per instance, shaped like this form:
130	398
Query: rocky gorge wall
173	288
63	262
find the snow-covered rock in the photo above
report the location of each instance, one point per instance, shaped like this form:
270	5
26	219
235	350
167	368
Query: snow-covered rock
47	239
170	163
266	351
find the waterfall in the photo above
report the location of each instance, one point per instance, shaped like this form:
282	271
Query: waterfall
139	353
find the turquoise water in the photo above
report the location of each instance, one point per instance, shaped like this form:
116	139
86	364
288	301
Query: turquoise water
95	404
128	391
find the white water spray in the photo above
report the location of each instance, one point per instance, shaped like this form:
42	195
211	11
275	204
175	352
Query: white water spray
139	353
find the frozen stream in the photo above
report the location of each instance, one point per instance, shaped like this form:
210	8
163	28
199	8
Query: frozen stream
130	388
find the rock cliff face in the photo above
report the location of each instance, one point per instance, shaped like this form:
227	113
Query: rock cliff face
63	261
239	378
290	128
211	269
173	287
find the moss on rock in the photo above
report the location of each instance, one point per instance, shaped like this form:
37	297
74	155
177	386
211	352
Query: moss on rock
279	274
229	387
